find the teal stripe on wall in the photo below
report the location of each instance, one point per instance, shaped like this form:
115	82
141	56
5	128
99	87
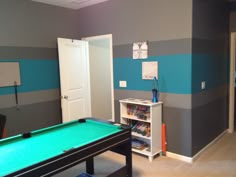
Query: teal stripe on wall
35	75
213	69
174	73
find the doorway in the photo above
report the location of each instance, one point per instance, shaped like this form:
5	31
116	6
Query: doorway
232	82
87	63
101	76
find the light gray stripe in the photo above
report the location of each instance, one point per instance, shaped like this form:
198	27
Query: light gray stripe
8	101
170	100
27	53
122	94
157	48
205	97
182	101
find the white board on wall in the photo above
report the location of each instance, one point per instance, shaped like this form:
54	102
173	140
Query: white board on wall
9	74
149	70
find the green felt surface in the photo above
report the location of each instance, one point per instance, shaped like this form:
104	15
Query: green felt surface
17	153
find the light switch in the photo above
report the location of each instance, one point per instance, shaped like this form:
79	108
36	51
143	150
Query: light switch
122	84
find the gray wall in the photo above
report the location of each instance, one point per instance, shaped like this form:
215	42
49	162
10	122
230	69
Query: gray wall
29	24
197	28
210	63
137	20
29	30
28	34
233	21
167	25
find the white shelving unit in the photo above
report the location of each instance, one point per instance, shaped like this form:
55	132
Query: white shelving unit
143	112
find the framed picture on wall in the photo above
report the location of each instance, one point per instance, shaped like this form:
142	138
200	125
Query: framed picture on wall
140	50
150	70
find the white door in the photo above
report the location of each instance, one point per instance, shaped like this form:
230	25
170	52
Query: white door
74	78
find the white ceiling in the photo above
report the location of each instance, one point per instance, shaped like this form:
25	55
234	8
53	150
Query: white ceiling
72	4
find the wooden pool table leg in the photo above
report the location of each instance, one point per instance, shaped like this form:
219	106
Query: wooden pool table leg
90	166
129	159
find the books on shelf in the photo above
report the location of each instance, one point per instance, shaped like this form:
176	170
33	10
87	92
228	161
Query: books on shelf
142	128
138	144
140	111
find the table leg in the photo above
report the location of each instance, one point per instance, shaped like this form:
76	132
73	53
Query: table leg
90	166
129	159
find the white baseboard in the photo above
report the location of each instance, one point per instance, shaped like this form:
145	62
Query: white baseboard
179	157
192	159
209	145
230	130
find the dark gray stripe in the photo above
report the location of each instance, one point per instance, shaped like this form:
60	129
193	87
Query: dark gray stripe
8	101
208	122
156	48
233	21
178	130
205	97
210	23
232	6
32	117
28	53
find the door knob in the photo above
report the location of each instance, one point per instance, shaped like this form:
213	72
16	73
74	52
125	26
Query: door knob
66	97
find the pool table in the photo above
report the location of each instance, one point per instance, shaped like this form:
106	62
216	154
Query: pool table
51	150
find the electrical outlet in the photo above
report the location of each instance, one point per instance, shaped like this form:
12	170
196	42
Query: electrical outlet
203	85
123	84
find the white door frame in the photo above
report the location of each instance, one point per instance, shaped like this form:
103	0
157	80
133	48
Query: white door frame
232	82
109	37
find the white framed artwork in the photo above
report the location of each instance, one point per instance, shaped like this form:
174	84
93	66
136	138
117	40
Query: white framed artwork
150	70
9	74
140	50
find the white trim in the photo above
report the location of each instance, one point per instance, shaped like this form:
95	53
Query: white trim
179	157
231	82
192	159
75	4
209	145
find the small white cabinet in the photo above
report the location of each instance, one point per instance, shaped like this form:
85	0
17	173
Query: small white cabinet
145	117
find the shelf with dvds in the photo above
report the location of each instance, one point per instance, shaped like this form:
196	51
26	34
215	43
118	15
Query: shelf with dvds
145	118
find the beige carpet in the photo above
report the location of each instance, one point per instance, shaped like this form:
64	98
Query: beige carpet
217	161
